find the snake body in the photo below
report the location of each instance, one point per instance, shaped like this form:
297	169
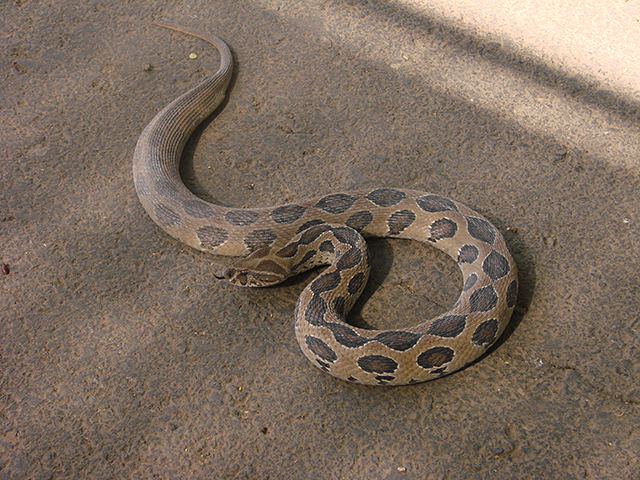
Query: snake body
277	242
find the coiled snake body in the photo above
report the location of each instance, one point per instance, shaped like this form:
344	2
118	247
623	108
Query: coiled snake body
278	242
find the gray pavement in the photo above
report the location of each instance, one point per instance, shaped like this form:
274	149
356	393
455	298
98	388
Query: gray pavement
121	356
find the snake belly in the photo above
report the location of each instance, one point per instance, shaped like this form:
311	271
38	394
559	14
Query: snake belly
325	230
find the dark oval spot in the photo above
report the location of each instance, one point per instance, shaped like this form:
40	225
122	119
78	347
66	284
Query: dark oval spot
485	334
442	228
398	340
241	217
449	326
338	305
400	220
484	299
312	233
350	259
346	336
356	284
468	254
321	349
386	197
198	208
287	213
512	294
480	229
347	235
269	266
436	203
259	239
314	314
326	246
262	252
359	220
435	357
288	250
495	265
377	364
469	282
166	216
309	224
325	282
336	203
211	237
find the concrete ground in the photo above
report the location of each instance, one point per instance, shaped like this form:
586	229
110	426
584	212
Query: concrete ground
121	356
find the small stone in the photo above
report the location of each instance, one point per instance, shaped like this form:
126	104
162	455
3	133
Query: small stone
18	68
326	42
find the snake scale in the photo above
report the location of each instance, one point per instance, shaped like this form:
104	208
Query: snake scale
277	242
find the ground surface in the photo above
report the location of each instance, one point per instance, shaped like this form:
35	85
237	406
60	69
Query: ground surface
122	357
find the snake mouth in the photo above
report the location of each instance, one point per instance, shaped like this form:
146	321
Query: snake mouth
234	275
245	277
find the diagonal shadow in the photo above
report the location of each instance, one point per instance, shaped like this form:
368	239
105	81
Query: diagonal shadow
464	40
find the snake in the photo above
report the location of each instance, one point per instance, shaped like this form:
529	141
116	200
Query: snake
274	243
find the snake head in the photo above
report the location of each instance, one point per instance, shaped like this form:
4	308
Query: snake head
252	272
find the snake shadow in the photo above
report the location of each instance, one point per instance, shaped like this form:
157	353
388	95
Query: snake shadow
525	262
381	261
